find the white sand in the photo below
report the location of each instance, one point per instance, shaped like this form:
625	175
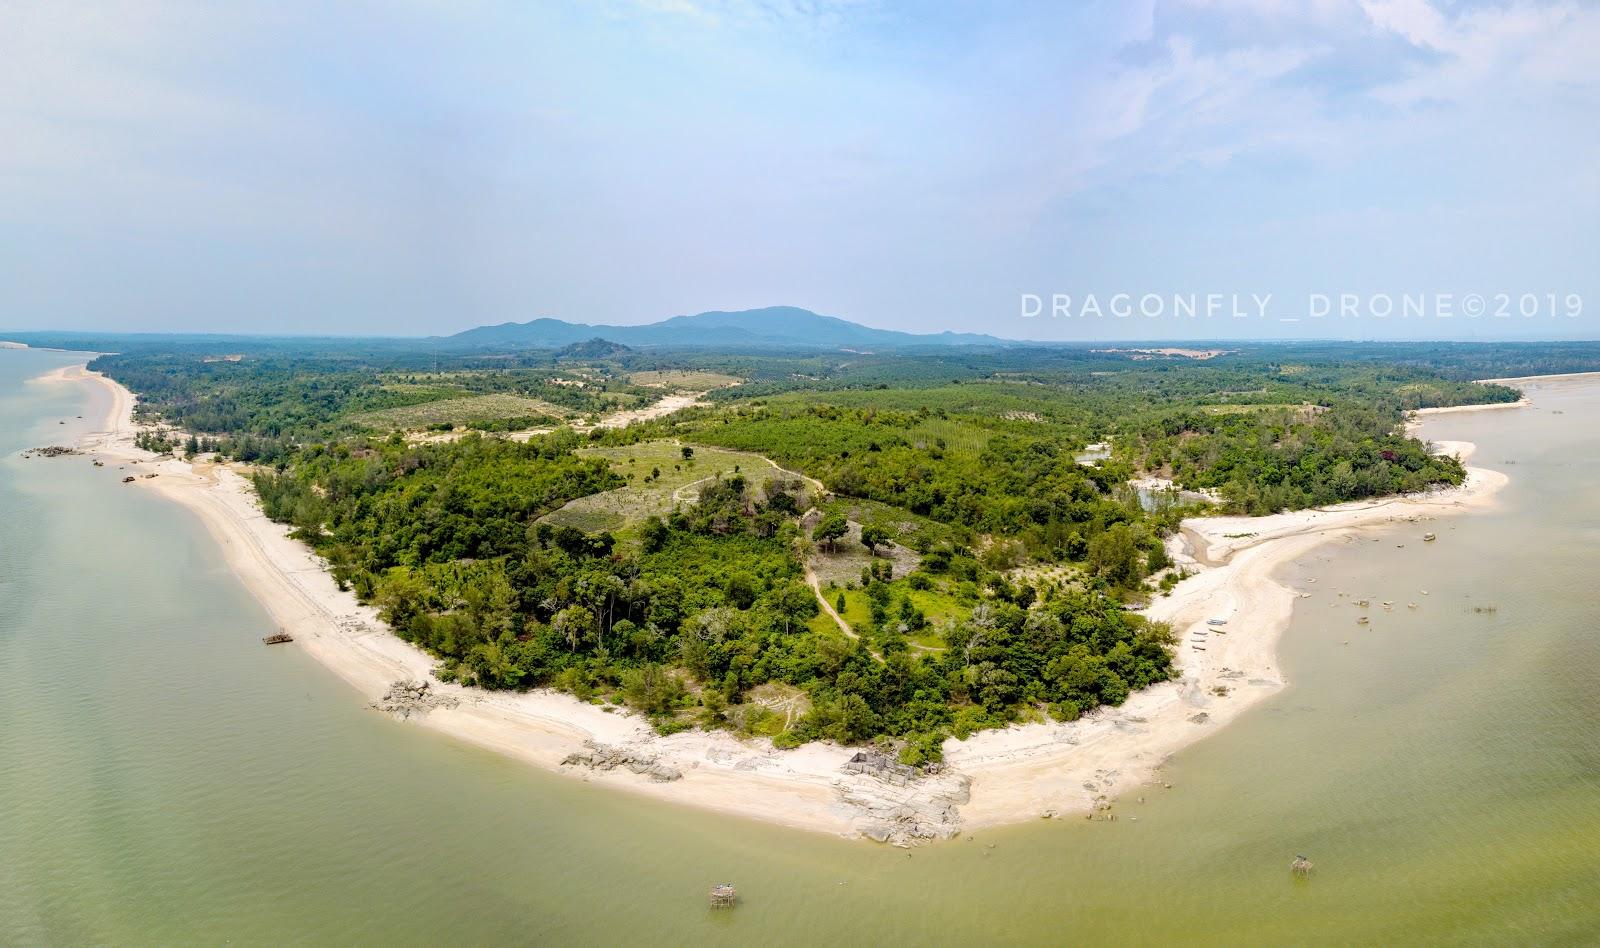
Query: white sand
1558	377
1027	771
660	408
1019	773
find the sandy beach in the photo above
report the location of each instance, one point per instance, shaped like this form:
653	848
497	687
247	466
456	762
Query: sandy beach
1017	774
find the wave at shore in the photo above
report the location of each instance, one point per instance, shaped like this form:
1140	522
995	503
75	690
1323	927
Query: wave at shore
1016	774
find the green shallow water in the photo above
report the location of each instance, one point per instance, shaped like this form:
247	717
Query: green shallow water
166	779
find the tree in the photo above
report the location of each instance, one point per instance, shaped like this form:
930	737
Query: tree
653	535
575	624
652	690
688	452
1114	555
830	529
873	536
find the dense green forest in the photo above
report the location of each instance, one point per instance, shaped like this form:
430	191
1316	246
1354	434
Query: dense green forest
995	554
697	610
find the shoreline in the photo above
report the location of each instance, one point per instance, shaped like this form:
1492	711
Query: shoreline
1017	774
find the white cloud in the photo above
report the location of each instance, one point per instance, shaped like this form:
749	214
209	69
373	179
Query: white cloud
821	16
1416	20
1511	51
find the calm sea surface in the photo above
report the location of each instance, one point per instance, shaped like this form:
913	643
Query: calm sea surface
164	778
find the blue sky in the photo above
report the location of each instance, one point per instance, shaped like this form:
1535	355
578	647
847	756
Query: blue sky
424	167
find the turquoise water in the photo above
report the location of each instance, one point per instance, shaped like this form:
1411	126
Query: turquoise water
167	779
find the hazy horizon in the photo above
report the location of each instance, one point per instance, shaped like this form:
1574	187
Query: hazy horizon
1142	340
413	169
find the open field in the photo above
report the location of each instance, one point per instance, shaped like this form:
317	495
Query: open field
935	604
659	479
460	411
907	529
844	563
683	379
1245	408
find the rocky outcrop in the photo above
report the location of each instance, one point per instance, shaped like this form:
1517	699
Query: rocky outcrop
407	697
888	808
605	757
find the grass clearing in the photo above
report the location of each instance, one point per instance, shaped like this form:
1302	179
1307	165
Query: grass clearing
844	563
659	479
937	605
459	411
906	528
683	379
1246	409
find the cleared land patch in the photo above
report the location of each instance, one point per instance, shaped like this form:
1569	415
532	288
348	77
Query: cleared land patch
460	411
659	479
683	379
938	606
846	559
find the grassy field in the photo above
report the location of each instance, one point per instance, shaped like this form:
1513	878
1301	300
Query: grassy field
1246	409
646	495
906	528
682	379
936	604
459	411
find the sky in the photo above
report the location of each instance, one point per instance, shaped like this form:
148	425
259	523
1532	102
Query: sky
413	168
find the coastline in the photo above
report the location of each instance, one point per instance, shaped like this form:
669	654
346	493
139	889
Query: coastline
1556	377
1017	774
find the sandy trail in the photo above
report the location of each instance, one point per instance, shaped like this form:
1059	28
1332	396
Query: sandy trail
660	408
1018	773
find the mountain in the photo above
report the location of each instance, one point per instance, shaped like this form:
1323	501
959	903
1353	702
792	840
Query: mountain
595	348
769	328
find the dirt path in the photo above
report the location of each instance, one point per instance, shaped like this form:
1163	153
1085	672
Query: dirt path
827	607
662	407
816	485
816	587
